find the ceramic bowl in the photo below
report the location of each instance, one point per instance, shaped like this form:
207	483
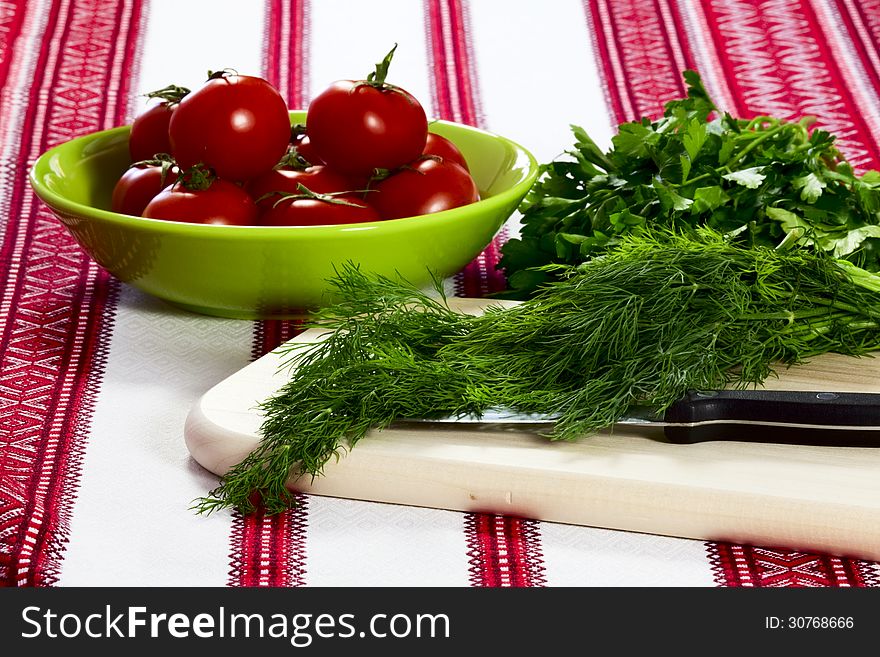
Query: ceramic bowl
262	272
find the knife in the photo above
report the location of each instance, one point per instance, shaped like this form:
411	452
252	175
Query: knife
845	419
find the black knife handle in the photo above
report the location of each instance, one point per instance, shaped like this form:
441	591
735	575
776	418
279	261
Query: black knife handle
776	416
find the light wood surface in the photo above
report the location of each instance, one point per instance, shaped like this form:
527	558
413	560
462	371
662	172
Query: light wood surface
789	496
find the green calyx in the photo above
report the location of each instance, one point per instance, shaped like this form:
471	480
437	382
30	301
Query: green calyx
293	160
163	160
197	178
302	192
377	77
297	130
221	74
170	95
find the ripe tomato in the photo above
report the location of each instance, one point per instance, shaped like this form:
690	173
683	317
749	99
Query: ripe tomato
220	202
308	209
149	131
425	186
139	185
237	125
318	178
357	126
442	147
300	141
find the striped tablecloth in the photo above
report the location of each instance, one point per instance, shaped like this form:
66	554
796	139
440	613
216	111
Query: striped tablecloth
96	378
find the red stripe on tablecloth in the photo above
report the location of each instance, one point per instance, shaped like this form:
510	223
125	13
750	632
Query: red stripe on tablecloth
616	93
641	52
57	306
285	66
269	334
455	96
16	233
868	18
864	137
11	21
678	45
287	50
693	29
441	93
273	53
747	566
851	31
861	22
504	551
778	61
465	74
270	550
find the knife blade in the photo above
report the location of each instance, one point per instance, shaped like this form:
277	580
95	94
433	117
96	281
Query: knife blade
846	419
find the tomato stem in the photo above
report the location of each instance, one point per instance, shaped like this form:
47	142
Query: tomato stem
304	192
377	77
378	175
420	158
293	160
157	160
170	95
297	130
197	178
163	160
222	73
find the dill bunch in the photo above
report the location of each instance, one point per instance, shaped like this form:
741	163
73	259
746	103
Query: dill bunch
660	315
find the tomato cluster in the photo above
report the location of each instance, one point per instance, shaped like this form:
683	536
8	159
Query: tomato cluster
227	154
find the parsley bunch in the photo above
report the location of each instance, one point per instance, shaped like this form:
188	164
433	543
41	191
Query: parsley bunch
767	180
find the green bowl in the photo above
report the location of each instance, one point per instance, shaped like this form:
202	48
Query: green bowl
263	272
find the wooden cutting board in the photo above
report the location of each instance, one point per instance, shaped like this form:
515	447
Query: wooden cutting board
786	496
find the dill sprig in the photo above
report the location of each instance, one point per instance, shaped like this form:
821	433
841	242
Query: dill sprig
661	314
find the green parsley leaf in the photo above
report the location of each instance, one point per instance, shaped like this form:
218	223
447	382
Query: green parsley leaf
811	186
751	177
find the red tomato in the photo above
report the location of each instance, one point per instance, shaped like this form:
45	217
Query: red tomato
222	203
138	186
424	186
357	126
319	210
149	131
237	125
442	147
303	145
319	179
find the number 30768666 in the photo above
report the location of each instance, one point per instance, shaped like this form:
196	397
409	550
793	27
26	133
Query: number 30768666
809	622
